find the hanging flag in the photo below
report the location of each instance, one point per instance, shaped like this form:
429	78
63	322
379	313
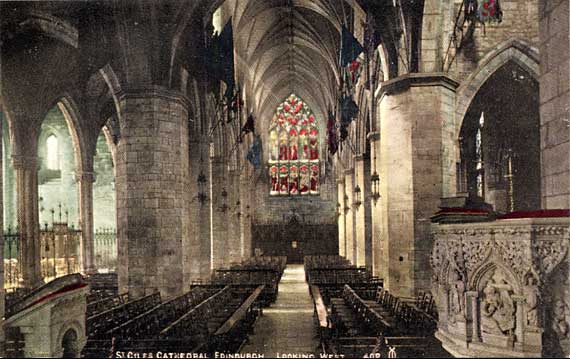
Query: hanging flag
221	61
343	132
237	102
254	153
353	74
332	138
249	125
488	11
350	48
348	109
470	9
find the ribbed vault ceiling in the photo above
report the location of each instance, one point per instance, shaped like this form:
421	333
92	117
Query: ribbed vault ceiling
288	46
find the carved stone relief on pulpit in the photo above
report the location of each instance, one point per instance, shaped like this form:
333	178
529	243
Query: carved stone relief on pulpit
497	305
456	297
492	285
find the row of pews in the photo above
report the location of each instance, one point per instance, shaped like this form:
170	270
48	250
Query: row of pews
255	271
212	317
357	317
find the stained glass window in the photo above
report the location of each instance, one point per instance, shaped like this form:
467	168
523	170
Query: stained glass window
294	150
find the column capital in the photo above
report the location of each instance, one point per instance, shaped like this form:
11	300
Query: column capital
85	176
359	157
404	82
373	136
25	162
155	92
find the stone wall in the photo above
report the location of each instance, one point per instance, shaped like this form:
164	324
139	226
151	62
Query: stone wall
520	21
104	197
555	103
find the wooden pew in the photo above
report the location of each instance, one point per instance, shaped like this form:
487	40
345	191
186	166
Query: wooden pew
230	336
191	324
102	323
101	305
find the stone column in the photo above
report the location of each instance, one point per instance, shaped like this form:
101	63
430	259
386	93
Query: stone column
472	315
360	212
152	191
379	265
520	320
85	182
554	104
245	220
192	244
26	169
2	290
204	218
234	229
416	111
349	216
219	224
341	219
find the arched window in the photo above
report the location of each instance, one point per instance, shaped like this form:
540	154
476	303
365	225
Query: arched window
294	150
52	153
479	158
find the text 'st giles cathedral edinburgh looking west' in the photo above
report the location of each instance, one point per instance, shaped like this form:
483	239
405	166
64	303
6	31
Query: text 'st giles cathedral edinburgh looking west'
285	178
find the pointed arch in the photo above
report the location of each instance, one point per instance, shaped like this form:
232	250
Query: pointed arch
514	50
72	117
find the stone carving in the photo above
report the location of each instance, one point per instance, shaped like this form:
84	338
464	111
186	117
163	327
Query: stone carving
531	297
497	306
547	254
475	252
515	254
507	265
457	297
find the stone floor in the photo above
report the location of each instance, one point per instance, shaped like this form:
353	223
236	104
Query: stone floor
287	327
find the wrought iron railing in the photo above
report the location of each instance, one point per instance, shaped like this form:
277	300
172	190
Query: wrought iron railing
59	253
11	251
105	249
59	250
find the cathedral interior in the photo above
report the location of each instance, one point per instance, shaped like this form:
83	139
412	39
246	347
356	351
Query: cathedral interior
292	178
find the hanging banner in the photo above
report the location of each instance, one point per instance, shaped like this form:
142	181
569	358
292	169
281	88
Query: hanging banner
489	11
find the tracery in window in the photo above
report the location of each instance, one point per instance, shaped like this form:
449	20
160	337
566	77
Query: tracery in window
479	157
294	150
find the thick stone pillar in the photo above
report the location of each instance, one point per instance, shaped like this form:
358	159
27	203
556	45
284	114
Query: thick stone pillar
192	246
204	218
363	213
379	264
415	111
341	219
26	169
2	290
349	215
555	104
152	191
234	229
219	215
85	182
245	219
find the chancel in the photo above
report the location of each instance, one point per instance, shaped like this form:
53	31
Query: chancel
302	178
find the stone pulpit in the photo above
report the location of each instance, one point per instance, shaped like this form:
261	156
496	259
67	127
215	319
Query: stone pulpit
502	287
